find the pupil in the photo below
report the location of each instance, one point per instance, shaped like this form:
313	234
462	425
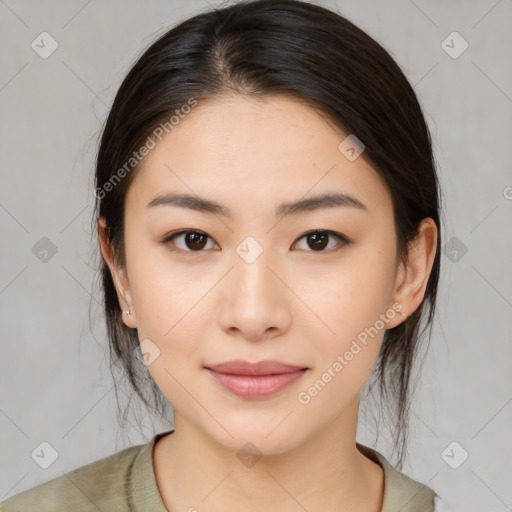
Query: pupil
317	243
193	237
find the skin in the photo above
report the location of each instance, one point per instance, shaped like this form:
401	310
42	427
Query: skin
293	304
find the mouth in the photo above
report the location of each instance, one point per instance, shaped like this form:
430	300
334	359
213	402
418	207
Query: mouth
255	380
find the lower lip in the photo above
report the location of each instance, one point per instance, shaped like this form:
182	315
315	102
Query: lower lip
256	386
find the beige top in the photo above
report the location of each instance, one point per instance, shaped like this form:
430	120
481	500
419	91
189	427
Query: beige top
126	481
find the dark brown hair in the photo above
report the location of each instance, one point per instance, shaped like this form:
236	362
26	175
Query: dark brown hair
264	48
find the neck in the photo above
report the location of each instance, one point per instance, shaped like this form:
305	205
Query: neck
326	472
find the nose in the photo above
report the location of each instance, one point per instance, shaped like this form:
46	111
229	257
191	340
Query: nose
254	302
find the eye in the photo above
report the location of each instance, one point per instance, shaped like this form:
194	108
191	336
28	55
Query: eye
318	240
194	241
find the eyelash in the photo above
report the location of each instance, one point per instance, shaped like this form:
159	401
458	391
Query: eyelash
343	240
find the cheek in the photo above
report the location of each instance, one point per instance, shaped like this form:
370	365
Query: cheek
351	296
338	383
348	340
171	313
166	294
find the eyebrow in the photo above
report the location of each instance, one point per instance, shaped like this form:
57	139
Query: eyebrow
203	205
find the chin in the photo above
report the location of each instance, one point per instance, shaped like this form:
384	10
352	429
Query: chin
257	439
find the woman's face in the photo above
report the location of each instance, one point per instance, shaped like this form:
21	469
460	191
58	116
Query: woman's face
253	285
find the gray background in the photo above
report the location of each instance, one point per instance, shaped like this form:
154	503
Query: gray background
56	386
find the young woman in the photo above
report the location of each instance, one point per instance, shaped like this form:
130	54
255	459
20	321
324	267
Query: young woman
268	219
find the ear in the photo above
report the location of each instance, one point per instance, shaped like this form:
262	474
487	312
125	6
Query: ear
119	276
412	276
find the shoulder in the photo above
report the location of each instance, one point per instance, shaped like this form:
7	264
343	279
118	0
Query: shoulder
102	484
401	492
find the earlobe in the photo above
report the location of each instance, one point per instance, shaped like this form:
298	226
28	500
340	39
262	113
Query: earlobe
119	277
412	278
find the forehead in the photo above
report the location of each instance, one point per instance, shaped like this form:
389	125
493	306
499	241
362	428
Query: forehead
242	149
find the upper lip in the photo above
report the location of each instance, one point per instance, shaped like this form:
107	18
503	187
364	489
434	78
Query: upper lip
239	367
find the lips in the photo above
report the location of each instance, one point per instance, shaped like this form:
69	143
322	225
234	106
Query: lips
255	380
261	368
